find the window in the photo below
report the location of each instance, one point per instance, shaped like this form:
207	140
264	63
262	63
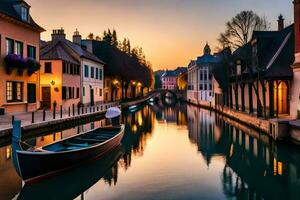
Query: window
71	69
97	73
83	91
92	72
86	71
9	46
31	52
64	67
100	92
64	93
19	48
48	67
77	96
14	91
100	74
24	14
70	92
31	93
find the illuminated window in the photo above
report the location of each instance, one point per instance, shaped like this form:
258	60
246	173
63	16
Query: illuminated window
14	91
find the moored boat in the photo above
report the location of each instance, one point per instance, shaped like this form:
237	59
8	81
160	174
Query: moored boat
33	164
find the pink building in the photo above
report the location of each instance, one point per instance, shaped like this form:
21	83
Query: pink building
169	80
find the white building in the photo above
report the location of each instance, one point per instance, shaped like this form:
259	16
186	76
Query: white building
200	86
92	74
92	81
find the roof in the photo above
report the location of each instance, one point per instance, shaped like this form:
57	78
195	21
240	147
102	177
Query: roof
206	59
7	8
169	74
58	49
275	52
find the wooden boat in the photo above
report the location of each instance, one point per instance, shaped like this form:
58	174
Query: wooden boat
78	180
33	164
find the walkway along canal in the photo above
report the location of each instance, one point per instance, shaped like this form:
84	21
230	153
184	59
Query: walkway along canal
170	152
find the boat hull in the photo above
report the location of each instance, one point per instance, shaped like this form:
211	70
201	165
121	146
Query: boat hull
36	166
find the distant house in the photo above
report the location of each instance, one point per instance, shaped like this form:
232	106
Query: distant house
19	57
169	80
200	87
69	74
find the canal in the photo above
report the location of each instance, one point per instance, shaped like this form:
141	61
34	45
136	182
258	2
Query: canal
178	152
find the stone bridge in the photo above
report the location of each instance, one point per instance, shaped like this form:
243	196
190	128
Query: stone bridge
179	95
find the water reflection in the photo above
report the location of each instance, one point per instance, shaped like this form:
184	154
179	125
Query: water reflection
255	167
179	152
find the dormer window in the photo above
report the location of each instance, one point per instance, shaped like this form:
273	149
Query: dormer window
24	14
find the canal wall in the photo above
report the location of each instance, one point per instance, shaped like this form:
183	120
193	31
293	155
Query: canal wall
49	125
278	129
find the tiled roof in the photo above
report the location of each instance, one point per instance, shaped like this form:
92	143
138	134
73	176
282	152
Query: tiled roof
206	58
275	51
169	74
58	49
7	8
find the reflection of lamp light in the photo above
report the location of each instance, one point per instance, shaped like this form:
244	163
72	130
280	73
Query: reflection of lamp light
133	83
115	82
52	82
139	84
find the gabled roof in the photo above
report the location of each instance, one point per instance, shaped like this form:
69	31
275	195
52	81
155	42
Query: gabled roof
7	9
275	52
58	49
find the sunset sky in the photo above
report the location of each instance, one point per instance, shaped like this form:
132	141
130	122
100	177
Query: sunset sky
171	32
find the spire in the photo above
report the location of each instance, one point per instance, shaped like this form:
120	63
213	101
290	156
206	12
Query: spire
207	49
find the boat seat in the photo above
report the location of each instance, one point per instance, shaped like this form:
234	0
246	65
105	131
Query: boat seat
87	140
76	144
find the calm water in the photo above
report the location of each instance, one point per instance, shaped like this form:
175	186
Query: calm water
180	152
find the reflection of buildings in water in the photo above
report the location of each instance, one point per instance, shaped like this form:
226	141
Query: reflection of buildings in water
261	169
10	183
138	130
175	114
205	132
255	167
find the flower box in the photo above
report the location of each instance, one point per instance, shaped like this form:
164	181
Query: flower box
13	61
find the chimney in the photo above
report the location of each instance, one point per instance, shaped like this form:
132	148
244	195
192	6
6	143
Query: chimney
77	38
280	23
297	30
58	34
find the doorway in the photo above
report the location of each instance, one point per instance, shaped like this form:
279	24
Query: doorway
46	98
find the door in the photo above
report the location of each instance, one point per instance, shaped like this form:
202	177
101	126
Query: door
92	97
46	97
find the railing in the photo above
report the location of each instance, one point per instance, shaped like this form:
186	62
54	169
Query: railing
60	113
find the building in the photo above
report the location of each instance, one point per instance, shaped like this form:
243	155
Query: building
169	80
295	93
19	57
69	74
258	75
200	87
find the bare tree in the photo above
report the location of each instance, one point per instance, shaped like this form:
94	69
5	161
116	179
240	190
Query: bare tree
240	28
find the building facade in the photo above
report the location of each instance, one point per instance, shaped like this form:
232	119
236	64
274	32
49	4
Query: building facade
200	86
169	80
69	75
19	58
259	74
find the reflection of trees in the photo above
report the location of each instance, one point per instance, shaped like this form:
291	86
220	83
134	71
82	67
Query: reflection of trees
255	167
138	130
